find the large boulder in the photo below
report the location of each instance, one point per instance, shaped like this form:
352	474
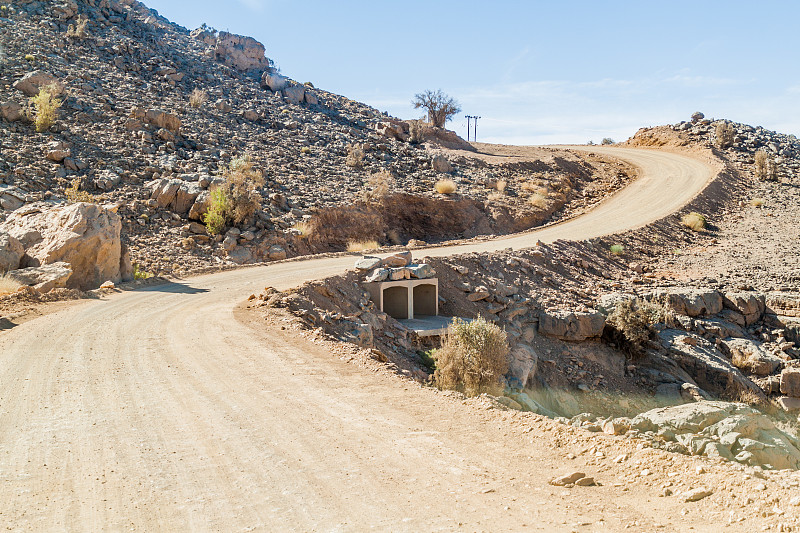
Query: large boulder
749	356
176	195
295	94
571	326
157	118
690	302
43	278
274	81
749	304
790	382
240	52
11	252
11	111
31	82
441	164
87	236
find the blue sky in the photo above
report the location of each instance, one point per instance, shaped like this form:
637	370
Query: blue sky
537	72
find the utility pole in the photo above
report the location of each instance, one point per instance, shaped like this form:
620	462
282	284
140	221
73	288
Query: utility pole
475	136
468	117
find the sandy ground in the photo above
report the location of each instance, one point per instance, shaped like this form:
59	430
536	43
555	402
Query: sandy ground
159	410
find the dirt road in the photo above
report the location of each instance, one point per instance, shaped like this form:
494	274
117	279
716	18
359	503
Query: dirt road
156	410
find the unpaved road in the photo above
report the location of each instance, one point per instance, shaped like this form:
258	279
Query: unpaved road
157	410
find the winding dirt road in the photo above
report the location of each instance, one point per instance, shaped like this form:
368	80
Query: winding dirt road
158	410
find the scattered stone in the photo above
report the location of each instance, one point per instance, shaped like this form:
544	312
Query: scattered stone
696	494
43	278
567	479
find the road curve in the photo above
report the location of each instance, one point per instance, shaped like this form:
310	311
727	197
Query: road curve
156	410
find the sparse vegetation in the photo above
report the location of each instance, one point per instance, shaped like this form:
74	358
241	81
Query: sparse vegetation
440	107
302	229
235	201
78	30
766	168
360	246
138	273
757	202
355	155
305	150
538	200
607	140
416	130
724	134
694	221
377	187
616	249
629	325
445	186
198	98
8	285
473	357
74	193
45	107
30	57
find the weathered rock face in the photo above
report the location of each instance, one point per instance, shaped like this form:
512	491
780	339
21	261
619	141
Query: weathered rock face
177	195
749	356
11	252
31	82
240	52
43	278
523	364
749	304
441	164
571	326
86	236
274	81
11	111
709	368
730	430
790	382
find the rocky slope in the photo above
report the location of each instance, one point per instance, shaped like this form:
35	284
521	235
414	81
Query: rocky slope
130	134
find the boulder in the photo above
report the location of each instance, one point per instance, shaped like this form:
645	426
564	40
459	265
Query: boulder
785	304
523	363
87	236
276	253
200	206
311	98
274	81
43	278
790	382
162	119
749	356
295	94
105	180
11	252
571	326
690	302
11	111
174	194
378	275
398	260
31	82
240	52
368	262
57	151
421	271
705	364
441	164
749	304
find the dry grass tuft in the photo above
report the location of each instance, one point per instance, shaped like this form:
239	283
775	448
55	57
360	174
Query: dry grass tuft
538	200
74	194
303	229
355	155
198	98
724	135
757	202
361	246
445	186
78	30
473	358
694	221
377	187
8	285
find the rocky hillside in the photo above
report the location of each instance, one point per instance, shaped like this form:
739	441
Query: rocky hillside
153	115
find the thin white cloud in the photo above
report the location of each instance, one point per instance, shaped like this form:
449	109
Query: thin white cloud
254	5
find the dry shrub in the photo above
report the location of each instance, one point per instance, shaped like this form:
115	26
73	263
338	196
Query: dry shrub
473	358
445	186
355	155
74	194
8	285
360	246
629	324
45	106
724	134
302	229
500	186
757	202
394	236
377	186
538	200
236	200
78	30
694	221
198	98
766	168
416	130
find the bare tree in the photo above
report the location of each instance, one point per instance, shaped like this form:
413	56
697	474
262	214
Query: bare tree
439	106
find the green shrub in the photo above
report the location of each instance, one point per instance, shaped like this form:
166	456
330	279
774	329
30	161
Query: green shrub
629	325
45	107
616	249
236	200
473	358
75	195
138	273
